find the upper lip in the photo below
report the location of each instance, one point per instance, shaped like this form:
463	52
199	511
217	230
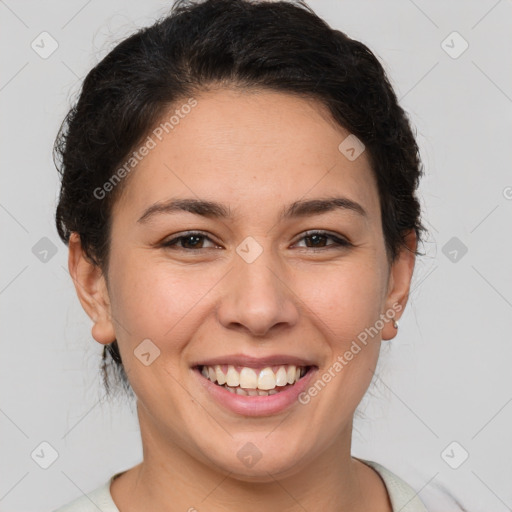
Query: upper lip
256	362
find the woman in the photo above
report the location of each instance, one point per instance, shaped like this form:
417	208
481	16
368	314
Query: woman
238	196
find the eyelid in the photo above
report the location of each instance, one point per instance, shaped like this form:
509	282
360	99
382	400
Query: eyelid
343	240
340	241
178	236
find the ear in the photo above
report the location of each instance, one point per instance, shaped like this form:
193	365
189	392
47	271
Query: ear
92	291
399	283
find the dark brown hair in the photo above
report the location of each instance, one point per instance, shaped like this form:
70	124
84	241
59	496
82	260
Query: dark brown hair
280	46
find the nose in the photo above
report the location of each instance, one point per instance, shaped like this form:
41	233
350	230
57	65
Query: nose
258	297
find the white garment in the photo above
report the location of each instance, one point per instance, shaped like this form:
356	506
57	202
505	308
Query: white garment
403	498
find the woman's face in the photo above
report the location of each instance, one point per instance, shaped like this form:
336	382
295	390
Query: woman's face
253	285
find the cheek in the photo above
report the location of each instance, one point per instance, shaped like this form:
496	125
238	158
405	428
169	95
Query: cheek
152	299
155	300
344	311
150	302
345	300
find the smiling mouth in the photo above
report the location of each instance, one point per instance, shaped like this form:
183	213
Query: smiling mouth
247	381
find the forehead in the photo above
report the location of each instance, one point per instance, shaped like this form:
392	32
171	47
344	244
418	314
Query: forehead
250	149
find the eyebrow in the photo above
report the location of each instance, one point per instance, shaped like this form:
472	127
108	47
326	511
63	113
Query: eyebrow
214	210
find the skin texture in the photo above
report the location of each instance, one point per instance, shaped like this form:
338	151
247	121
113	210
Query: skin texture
254	152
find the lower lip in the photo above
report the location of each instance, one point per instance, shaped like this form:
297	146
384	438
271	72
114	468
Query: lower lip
256	405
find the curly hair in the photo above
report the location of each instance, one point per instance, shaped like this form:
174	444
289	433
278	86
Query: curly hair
247	44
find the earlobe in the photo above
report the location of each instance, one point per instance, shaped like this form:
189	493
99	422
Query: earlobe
399	285
92	291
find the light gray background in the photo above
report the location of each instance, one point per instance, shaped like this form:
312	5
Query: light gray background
446	376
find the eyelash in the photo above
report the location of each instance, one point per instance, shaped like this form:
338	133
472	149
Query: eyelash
340	242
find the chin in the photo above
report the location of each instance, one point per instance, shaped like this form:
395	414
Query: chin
252	465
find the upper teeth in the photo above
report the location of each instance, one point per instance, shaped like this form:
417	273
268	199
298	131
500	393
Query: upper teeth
248	378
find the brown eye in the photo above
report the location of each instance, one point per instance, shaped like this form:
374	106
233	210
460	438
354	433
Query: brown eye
188	241
318	238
